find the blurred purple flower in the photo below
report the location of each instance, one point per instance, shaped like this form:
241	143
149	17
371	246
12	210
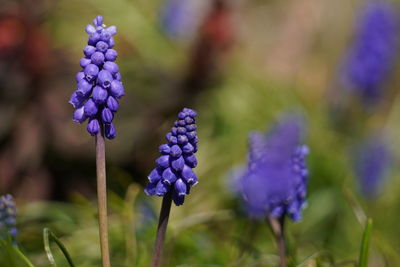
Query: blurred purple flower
8	213
373	160
99	83
174	167
371	56
275	182
180	18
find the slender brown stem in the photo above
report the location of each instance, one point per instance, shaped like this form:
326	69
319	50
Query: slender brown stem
102	197
161	230
277	226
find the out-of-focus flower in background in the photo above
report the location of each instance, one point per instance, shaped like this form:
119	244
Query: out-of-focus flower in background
372	163
8	213
174	166
372	54
180	19
275	181
99	82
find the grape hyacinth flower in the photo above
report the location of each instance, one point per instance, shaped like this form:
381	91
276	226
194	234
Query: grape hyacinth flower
99	87
8	213
275	182
99	83
373	159
173	177
371	56
174	167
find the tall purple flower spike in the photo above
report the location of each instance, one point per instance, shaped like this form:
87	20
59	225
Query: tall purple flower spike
275	182
99	83
8	213
373	52
174	171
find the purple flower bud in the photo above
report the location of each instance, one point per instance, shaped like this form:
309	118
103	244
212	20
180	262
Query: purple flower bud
89	50
188	175
117	76
181	130
91	71
189	120
84	88
105	36
117	89
79	76
178	200
191	135
111	42
111	67
90	108
176	151
168	176
98	20
84	62
77	100
163	161
106	115
112	30
111	55
178	164
104	78
190	112
188	148
97	58
112	104
180	187
162	188
99	94
191	161
155	175
110	131
164	149
79	115
191	127
94	38
90	29
181	123
150	189
93	127
182	139
102	46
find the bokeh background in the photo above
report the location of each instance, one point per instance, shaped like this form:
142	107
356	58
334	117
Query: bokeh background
241	65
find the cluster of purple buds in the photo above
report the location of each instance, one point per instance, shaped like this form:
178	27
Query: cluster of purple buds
275	182
174	172
8	215
99	83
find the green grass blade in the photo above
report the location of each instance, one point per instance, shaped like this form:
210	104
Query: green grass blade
363	259
47	234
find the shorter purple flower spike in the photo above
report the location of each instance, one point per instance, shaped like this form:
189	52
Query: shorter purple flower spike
174	167
373	160
99	82
275	181
8	213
